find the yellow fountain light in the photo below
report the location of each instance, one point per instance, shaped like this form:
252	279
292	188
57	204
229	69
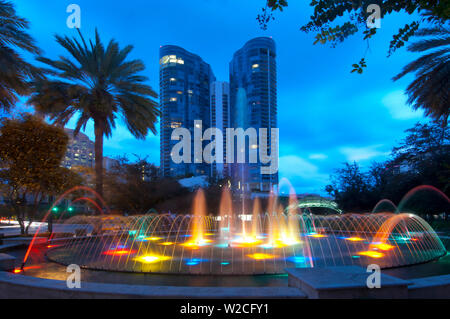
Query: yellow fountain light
317	235
246	241
289	241
371	253
151	259
382	246
196	243
166	243
354	239
260	256
152	238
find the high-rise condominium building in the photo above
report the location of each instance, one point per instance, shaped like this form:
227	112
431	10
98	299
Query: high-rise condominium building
80	150
185	85
220	119
253	98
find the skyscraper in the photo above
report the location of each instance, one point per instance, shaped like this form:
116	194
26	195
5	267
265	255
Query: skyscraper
220	119
185	81
253	98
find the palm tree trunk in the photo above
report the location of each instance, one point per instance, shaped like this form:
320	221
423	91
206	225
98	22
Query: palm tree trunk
98	128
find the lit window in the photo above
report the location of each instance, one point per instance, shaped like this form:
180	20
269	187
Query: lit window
173	99
255	66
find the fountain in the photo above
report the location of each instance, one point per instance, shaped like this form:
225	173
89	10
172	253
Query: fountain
263	242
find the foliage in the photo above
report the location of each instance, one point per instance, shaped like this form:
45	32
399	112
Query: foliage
420	159
29	169
134	187
355	15
99	83
430	89
14	70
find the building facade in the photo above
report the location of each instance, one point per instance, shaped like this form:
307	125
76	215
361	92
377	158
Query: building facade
253	99
220	119
80	150
185	85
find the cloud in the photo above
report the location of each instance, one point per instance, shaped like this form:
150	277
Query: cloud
317	156
396	103
362	153
304	176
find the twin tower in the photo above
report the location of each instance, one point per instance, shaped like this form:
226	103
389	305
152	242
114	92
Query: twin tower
189	93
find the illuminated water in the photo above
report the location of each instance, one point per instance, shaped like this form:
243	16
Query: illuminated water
266	243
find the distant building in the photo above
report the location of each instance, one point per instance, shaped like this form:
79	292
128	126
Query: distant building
253	98
109	163
80	150
185	81
220	118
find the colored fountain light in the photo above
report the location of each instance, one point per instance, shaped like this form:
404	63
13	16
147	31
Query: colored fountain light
151	259
316	235
382	246
288	241
233	241
152	238
119	252
195	244
260	256
246	241
167	243
371	253
354	239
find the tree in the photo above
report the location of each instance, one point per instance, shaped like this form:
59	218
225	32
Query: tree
97	83
430	89
135	187
355	15
14	70
29	170
349	186
420	159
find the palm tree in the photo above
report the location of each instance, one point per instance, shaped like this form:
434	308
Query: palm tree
97	83
14	71
430	89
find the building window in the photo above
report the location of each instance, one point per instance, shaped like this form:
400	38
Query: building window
170	59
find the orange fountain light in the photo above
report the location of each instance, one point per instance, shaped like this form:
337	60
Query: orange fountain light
152	238
317	235
246	241
382	246
354	239
166	243
118	252
196	243
260	256
371	253
151	259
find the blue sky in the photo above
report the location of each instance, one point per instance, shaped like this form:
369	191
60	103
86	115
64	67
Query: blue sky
326	115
